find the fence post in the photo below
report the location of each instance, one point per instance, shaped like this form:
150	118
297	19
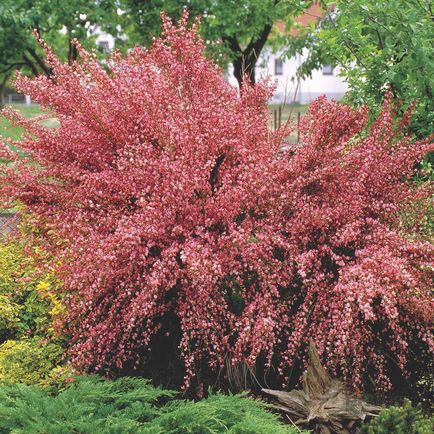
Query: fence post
298	127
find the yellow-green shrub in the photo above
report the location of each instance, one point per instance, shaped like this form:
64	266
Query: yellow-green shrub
28	296
14	265
9	316
29	361
29	304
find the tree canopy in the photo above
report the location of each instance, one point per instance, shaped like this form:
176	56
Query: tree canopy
234	31
380	45
57	21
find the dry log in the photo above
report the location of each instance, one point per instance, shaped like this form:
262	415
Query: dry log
324	404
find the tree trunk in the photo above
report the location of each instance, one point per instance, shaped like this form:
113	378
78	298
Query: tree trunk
245	60
325	404
2	96
243	69
45	68
2	90
30	64
72	52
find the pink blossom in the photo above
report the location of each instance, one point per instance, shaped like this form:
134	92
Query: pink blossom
172	195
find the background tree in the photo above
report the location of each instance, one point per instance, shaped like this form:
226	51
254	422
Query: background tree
234	31
381	45
57	21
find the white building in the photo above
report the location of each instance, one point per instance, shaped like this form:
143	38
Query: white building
103	39
289	88
325	81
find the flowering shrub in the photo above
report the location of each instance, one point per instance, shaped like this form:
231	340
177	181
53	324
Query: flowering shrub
174	198
29	300
29	361
29	306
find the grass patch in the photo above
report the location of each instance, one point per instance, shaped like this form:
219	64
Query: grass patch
287	111
28	111
14	132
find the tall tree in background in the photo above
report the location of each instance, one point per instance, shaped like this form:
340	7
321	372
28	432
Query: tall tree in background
57	21
235	31
380	45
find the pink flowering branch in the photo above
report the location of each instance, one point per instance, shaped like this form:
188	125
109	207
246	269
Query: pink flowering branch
173	196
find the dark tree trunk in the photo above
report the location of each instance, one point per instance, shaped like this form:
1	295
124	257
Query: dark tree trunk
242	70
30	64
238	70
72	52
45	68
245	60
2	88
7	73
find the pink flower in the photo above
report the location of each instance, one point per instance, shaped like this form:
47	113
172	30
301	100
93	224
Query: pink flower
173	196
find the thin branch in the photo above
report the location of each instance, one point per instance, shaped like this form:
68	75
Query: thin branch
12	66
30	64
47	70
346	42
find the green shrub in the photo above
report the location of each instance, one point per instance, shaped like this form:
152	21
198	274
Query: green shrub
128	405
9	316
29	361
218	414
29	302
400	420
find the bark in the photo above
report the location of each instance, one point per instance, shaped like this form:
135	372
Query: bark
245	60
2	88
45	68
72	52
324	404
7	72
30	64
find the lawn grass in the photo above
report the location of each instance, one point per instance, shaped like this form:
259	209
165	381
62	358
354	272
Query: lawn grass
14	132
287	111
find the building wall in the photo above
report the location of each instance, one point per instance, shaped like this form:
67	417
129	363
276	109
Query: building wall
105	40
289	89
321	83
287	84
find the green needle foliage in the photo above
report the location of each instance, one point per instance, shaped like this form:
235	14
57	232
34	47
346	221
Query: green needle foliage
129	405
400	420
90	405
218	414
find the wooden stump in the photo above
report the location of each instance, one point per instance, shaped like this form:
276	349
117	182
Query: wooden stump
324	404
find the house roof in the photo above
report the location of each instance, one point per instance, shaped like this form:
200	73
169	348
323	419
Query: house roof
313	14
